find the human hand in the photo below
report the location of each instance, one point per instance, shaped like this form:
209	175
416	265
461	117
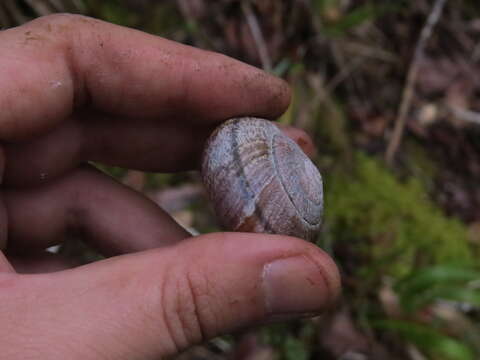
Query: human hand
75	89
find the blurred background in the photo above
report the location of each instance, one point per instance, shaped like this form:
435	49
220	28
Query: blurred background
390	93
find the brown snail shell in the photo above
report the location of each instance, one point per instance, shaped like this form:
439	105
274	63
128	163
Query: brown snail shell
259	180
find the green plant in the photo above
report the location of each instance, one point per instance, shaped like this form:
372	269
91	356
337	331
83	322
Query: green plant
442	334
436	345
429	285
393	224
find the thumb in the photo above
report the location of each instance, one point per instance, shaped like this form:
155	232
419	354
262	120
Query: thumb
155	303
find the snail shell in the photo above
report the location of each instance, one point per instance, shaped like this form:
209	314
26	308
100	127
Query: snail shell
259	180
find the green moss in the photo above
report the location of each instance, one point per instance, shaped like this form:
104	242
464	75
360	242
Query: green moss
392	224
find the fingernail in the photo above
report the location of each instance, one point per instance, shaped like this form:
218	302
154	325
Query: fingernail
296	286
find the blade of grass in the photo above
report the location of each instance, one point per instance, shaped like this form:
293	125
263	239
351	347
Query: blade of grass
429	340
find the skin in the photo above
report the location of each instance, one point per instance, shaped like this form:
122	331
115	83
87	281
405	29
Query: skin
74	89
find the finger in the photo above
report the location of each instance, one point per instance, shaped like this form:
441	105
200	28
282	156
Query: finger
110	216
5	265
155	303
40	263
301	138
64	62
104	140
143	146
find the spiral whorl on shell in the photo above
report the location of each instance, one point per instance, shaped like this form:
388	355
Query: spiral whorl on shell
259	180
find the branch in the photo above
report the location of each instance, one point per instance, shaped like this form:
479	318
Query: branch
408	90
257	36
465	114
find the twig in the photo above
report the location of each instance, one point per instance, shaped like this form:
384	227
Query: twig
359	49
257	36
78	6
414	353
465	114
193	11
15	12
41	8
58	5
408	90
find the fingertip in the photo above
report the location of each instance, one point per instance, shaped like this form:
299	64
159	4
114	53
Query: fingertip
301	138
266	249
277	95
281	95
330	273
239	89
299	279
286	94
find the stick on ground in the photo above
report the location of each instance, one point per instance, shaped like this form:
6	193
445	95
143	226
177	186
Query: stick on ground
408	90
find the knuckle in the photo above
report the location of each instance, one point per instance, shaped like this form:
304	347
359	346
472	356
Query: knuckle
57	29
63	26
188	307
203	294
61	18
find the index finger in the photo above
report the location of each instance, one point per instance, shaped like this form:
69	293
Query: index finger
56	64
